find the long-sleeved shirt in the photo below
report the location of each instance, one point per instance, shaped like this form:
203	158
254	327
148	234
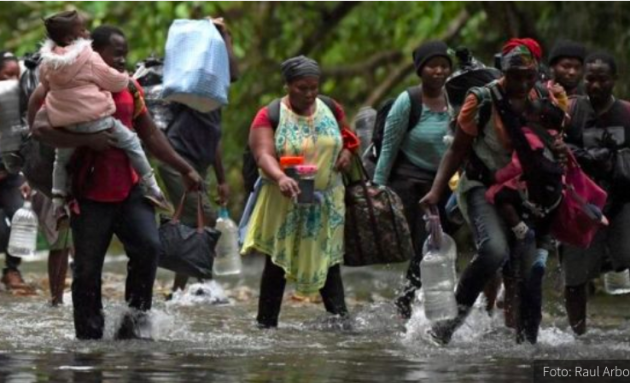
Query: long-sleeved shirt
423	145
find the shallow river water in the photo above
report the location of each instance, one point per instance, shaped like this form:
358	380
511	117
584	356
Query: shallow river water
207	334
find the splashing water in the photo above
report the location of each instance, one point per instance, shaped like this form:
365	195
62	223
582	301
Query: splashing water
197	337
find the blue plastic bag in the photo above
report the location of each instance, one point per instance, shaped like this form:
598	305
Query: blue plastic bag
196	65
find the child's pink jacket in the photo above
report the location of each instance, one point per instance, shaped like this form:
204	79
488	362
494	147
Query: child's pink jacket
79	83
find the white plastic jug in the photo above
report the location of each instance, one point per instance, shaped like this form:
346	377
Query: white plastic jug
23	237
437	271
617	283
228	258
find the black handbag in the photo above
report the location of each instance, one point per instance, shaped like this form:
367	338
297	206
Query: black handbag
376	231
187	250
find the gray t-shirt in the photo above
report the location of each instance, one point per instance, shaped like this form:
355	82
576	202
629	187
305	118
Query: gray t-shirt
195	135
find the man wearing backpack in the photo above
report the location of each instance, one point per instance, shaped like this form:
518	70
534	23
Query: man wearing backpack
409	146
196	137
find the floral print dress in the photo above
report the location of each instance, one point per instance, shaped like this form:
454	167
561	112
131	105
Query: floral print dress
305	240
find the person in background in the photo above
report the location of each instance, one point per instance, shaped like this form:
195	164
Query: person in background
9	66
606	119
411	155
196	137
59	241
566	61
10	196
303	244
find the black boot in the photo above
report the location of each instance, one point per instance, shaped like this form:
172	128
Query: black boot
272	287
404	301
532	310
134	325
575	298
442	332
332	293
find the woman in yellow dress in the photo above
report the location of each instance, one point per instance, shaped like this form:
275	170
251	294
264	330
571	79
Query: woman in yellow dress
303	243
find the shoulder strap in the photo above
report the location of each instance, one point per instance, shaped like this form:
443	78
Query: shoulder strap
484	98
511	125
415	95
330	103
273	110
542	90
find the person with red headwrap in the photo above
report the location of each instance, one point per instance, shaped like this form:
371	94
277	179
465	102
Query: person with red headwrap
490	120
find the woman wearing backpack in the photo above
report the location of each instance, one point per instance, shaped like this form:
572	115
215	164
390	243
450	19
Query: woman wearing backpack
412	147
488	148
302	243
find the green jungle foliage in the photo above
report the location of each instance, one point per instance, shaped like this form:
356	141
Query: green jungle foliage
363	47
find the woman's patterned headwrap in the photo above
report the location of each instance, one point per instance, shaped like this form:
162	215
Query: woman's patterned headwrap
521	53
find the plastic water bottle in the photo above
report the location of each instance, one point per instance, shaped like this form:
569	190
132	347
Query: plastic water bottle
438	274
617	283
364	125
23	237
228	259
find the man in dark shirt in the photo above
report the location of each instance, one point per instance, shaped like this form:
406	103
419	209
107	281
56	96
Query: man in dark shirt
567	66
196	137
600	125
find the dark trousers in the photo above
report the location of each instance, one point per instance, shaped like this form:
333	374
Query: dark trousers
410	192
133	222
493	251
10	201
272	289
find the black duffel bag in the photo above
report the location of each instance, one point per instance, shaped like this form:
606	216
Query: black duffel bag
187	250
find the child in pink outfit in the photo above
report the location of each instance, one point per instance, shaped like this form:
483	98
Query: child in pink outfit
79	85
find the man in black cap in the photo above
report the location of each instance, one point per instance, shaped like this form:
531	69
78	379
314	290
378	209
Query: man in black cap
566	61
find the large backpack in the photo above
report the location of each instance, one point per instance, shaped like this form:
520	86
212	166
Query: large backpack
470	73
415	95
149	74
28	81
250	168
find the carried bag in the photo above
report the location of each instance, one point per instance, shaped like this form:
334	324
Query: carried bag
376	231
579	215
12	128
196	65
187	250
621	168
38	158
